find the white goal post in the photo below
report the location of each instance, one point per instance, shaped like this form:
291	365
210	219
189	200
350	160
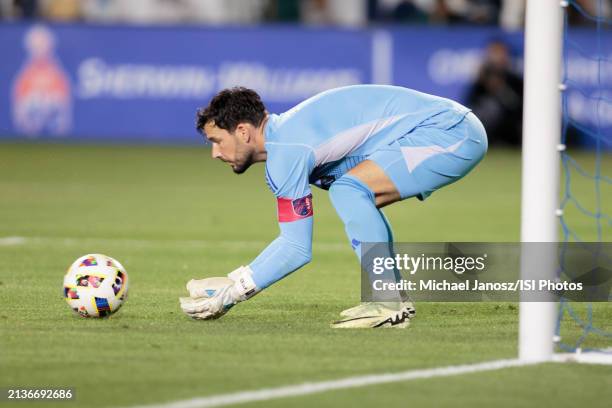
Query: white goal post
540	167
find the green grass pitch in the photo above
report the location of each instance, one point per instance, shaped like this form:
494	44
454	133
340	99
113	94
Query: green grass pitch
171	214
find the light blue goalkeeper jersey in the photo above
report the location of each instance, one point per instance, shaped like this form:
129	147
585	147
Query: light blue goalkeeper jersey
322	138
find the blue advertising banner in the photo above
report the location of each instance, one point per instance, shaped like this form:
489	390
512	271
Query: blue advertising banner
445	61
128	83
587	75
122	83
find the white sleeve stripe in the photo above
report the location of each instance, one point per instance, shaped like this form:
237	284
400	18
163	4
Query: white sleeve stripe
348	140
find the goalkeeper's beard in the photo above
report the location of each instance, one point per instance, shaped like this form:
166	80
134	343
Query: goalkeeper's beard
244	159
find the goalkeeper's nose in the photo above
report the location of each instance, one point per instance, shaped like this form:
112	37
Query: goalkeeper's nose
216	152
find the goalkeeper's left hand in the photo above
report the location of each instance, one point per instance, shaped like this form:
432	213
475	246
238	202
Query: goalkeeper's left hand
211	298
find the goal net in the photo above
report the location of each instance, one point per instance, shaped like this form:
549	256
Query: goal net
586	147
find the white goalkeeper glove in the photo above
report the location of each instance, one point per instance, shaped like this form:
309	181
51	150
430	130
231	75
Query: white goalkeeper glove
211	298
377	314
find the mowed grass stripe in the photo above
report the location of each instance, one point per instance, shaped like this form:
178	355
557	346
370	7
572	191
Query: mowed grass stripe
343	383
146	243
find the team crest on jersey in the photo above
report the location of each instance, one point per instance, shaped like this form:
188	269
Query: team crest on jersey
294	209
302	206
41	100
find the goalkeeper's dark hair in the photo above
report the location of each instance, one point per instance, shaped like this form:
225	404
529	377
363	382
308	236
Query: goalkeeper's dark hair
230	107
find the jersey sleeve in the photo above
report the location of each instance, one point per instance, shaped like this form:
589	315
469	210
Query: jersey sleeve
288	168
287	171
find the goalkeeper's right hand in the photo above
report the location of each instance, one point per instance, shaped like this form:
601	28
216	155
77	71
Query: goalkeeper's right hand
211	298
207	288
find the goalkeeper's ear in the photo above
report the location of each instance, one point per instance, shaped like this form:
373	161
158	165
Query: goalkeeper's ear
245	132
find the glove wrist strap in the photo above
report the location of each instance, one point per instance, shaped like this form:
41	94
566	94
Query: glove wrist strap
244	285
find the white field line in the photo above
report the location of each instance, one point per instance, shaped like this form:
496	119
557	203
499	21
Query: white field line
344	383
147	243
8	241
603	356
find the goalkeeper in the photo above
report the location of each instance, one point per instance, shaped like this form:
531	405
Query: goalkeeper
369	145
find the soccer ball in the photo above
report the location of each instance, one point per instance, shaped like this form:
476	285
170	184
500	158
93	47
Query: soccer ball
95	285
